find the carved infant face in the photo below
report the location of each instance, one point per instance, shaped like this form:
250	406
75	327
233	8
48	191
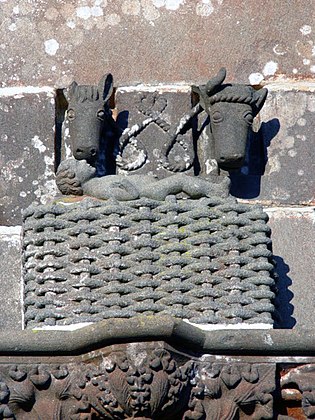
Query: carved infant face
83	170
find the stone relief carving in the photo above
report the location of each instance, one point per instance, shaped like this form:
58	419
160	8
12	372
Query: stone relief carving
157	234
41	391
221	140
231	109
175	243
78	178
88	103
151	381
90	124
205	260
143	381
222	391
152	107
144	385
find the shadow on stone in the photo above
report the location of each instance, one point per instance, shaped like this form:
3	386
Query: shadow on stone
122	119
60	110
246	182
284	309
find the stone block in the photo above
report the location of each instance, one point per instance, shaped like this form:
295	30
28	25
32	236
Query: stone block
26	153
10	278
293	238
149	41
281	161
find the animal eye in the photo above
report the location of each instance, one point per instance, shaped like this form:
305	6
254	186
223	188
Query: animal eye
71	114
217	117
248	117
100	114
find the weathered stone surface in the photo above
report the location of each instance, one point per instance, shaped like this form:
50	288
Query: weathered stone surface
10	278
293	237
144	41
281	160
27	153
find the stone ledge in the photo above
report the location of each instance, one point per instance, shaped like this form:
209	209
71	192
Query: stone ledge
284	343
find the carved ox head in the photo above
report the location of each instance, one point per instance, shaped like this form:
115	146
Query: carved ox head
86	114
231	109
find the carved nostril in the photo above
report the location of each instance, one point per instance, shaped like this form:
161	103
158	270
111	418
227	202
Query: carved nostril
93	152
222	159
79	151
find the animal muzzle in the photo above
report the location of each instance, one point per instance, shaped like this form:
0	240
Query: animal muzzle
87	153
231	161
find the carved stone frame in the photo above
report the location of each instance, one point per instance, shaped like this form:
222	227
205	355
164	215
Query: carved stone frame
156	368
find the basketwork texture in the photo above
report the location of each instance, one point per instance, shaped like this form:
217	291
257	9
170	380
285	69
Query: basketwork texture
207	260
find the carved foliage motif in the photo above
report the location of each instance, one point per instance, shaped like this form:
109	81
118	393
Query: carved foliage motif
137	383
145	387
40	391
223	390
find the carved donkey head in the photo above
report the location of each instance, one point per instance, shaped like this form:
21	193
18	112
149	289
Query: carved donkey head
231	109
87	112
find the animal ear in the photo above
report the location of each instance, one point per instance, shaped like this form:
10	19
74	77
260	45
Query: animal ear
105	87
70	91
200	90
260	97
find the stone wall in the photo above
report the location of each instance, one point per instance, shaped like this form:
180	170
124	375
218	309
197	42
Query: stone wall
170	43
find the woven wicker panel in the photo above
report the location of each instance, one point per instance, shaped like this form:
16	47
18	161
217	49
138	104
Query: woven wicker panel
207	260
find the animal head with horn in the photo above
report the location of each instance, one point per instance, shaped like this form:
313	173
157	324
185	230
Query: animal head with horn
88	112
231	109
